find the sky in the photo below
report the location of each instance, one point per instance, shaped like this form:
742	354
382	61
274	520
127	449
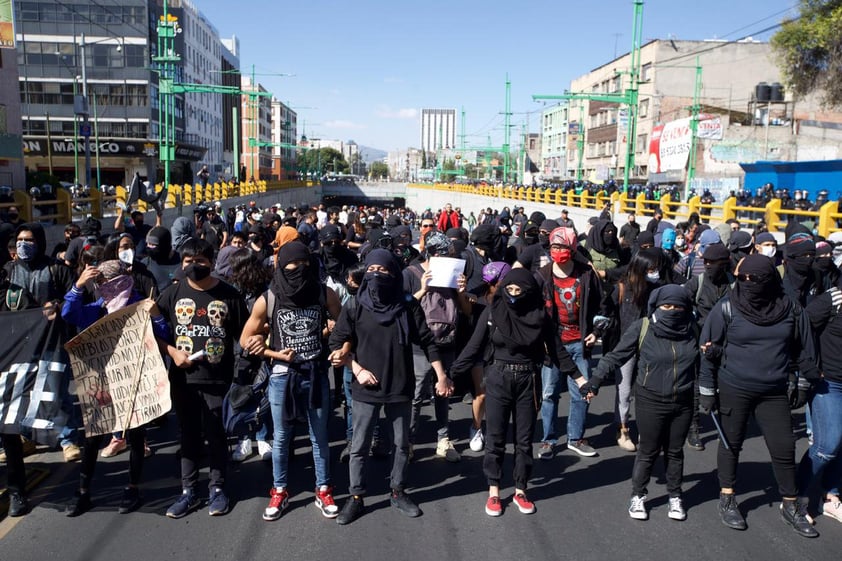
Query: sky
362	70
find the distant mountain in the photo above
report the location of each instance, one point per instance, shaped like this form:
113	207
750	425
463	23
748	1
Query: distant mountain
372	154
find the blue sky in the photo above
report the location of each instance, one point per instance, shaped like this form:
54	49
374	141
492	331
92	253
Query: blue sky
367	67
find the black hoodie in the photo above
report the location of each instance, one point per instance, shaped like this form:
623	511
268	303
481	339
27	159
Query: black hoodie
31	284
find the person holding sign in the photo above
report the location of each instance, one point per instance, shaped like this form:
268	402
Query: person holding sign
299	385
205	313
115	289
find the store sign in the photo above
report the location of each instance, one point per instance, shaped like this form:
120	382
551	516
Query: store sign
7	25
669	145
107	147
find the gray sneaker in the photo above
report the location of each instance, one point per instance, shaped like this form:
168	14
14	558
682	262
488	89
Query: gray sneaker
637	508
545	451
676	511
581	447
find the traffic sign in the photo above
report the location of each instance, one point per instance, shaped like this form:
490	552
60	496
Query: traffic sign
85	130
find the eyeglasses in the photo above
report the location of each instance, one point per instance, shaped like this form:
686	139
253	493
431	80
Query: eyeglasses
427	225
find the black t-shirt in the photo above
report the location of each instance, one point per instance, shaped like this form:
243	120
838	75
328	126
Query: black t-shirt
210	320
533	257
212	231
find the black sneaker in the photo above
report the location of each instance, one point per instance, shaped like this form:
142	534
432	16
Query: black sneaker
18	505
130	500
345	455
80	504
730	513
351	510
694	442
794	513
404	503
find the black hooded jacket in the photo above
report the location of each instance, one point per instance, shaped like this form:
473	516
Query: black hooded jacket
31	284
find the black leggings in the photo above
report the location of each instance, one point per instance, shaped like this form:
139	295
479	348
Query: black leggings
662	426
136	438
771	411
16	472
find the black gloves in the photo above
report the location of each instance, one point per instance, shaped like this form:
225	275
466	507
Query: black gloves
586	389
707	403
799	396
596	383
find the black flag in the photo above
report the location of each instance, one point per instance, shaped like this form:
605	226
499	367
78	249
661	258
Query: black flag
34	376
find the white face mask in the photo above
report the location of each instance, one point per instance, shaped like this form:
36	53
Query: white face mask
126	256
679	242
768	250
837	259
653	277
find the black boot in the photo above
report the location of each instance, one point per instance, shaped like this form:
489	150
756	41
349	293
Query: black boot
794	513
730	513
693	440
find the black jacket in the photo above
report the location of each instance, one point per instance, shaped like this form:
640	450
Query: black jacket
666	368
827	324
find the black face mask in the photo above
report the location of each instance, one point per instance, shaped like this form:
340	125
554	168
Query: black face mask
196	272
330	249
544	240
608	238
352	290
823	265
295	277
530	238
671	322
379	287
716	271
801	264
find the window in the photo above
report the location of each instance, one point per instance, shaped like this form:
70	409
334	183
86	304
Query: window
643	111
646	72
642	145
615	84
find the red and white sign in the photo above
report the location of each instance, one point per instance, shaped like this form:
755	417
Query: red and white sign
669	145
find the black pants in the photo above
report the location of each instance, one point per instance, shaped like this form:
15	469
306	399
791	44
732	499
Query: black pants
662	426
199	410
771	410
509	395
136	438
15	470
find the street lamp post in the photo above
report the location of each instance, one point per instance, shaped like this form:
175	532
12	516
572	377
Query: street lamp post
82	110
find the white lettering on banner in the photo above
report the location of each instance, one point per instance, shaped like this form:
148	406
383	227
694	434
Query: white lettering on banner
18	373
669	148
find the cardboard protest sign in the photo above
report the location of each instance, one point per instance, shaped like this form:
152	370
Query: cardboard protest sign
120	377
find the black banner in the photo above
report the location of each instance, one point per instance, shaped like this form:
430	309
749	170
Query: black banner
37	146
34	376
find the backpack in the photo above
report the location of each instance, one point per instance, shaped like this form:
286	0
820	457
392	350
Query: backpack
246	406
440	311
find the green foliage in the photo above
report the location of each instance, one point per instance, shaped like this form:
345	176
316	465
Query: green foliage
423	159
323	160
449	165
379	170
809	51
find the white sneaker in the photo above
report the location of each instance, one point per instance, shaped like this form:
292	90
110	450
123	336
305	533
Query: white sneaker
445	450
264	450
676	511
832	509
477	440
242	451
637	508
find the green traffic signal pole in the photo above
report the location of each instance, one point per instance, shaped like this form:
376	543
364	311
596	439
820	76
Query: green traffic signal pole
629	97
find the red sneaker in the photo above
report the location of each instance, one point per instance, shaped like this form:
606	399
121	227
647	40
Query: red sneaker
493	506
325	502
278	501
523	504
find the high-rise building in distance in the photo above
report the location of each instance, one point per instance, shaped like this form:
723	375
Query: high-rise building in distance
438	129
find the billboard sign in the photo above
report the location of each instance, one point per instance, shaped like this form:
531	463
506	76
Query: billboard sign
7	25
669	145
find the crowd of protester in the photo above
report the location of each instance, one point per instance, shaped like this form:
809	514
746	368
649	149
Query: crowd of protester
337	306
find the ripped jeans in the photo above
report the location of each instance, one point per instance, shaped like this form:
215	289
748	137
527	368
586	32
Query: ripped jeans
822	459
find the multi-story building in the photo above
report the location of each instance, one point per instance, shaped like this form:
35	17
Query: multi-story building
105	50
438	130
256	134
404	164
554	131
730	72
284	127
11	155
229	74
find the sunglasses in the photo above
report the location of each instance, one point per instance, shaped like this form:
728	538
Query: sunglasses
426	225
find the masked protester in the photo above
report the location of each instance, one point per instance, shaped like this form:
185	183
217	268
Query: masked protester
749	342
204	314
299	387
572	294
766	244
826	271
664	348
402	245
536	256
159	257
380	332
486	246
707	289
514	334
604	247
114	287
799	278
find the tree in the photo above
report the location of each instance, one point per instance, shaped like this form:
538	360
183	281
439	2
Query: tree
379	170
809	51
322	161
423	159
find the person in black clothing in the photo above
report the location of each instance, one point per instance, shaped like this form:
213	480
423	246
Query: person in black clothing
536	256
799	279
380	331
827	274
749	341
707	289
822	463
667	354
630	231
652	225
514	334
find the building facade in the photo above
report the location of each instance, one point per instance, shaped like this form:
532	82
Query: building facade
11	153
230	76
284	133
404	164
438	130
256	134
554	131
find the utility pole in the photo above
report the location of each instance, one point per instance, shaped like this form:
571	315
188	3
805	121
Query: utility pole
629	97
86	127
506	131
695	110
166	59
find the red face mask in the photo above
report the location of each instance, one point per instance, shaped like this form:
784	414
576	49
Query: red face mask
560	256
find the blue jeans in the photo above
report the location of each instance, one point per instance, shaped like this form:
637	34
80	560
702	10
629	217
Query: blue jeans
822	459
317	420
551	389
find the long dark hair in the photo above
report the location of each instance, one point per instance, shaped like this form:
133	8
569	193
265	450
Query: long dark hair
248	273
640	264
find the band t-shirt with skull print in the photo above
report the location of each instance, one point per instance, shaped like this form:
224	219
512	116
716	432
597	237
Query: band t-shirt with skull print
204	321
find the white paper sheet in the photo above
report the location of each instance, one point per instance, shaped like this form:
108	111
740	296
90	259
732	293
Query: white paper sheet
446	271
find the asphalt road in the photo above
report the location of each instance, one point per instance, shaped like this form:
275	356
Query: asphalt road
581	510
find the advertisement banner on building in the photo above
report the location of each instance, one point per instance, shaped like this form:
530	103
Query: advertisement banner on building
669	145
7	25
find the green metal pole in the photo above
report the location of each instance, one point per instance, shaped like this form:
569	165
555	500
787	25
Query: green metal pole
236	129
75	137
632	92
507	132
253	124
580	142
694	128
